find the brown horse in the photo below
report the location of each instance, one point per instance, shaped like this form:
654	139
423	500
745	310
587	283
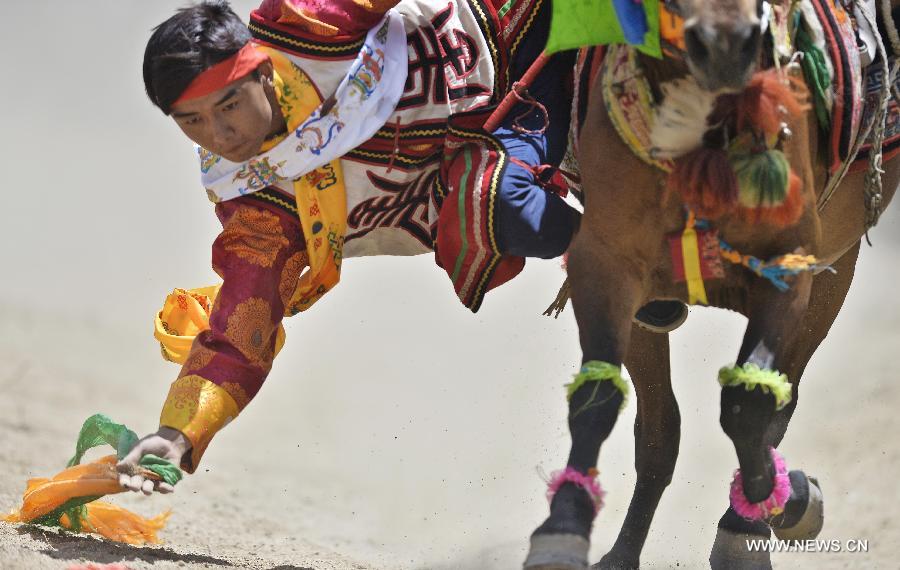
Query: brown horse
619	260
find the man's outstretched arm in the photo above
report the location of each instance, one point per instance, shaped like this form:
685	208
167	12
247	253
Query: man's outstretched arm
259	255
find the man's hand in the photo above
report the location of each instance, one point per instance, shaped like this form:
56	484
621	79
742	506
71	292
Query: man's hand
168	443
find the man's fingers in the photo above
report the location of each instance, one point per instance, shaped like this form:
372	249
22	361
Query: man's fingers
135	482
127	467
146	486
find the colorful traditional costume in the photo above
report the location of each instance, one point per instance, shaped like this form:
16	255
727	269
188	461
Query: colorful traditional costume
416	80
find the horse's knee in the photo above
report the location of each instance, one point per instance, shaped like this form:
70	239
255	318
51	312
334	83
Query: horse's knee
654	460
655	466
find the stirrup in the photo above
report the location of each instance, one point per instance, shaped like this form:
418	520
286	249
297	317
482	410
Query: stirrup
661	316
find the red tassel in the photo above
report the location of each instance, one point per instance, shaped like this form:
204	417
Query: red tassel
706	182
785	214
763	102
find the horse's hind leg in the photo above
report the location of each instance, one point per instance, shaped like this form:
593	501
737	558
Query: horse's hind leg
826	298
657	433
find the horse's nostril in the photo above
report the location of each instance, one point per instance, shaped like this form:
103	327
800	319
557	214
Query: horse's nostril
696	47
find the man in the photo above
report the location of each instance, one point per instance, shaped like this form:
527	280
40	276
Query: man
342	129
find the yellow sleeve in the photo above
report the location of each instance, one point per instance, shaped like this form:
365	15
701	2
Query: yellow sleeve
199	409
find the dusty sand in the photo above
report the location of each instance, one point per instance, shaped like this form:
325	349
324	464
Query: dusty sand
415	458
396	430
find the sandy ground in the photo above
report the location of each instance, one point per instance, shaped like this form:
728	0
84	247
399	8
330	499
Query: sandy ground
387	451
396	431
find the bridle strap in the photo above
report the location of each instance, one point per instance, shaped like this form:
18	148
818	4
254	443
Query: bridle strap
673	8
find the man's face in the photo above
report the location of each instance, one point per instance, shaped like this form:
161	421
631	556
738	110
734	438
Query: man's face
232	122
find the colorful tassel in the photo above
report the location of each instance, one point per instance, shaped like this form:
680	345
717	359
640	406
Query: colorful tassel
768	189
587	482
598	371
769	98
751	177
762	178
816	75
779	215
775	269
774	504
680	120
751	376
705	180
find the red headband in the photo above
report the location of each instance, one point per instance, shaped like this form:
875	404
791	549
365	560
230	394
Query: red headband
241	64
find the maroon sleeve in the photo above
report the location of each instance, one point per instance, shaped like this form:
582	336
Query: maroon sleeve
326	17
259	255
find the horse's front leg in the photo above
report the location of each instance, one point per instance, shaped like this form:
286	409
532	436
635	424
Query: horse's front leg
803	516
620	239
607	289
754	395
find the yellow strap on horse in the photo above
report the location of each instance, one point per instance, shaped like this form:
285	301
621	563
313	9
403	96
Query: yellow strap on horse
690	250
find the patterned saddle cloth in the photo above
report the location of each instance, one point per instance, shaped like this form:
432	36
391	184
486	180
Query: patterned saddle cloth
872	84
854	94
829	23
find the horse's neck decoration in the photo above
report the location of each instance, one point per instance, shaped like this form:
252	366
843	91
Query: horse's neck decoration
722	155
680	121
758	185
721	152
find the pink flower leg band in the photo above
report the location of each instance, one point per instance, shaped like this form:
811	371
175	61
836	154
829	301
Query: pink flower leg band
587	482
774	505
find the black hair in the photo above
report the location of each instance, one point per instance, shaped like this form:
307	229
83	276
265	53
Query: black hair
188	43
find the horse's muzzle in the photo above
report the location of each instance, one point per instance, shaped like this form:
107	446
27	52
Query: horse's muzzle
722	57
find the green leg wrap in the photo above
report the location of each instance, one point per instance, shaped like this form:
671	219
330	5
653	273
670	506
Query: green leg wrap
751	375
597	371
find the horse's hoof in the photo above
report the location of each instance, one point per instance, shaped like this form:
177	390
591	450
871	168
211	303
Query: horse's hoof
615	563
557	552
731	551
661	316
811	521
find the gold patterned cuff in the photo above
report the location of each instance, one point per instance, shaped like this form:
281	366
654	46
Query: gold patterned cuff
199	409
